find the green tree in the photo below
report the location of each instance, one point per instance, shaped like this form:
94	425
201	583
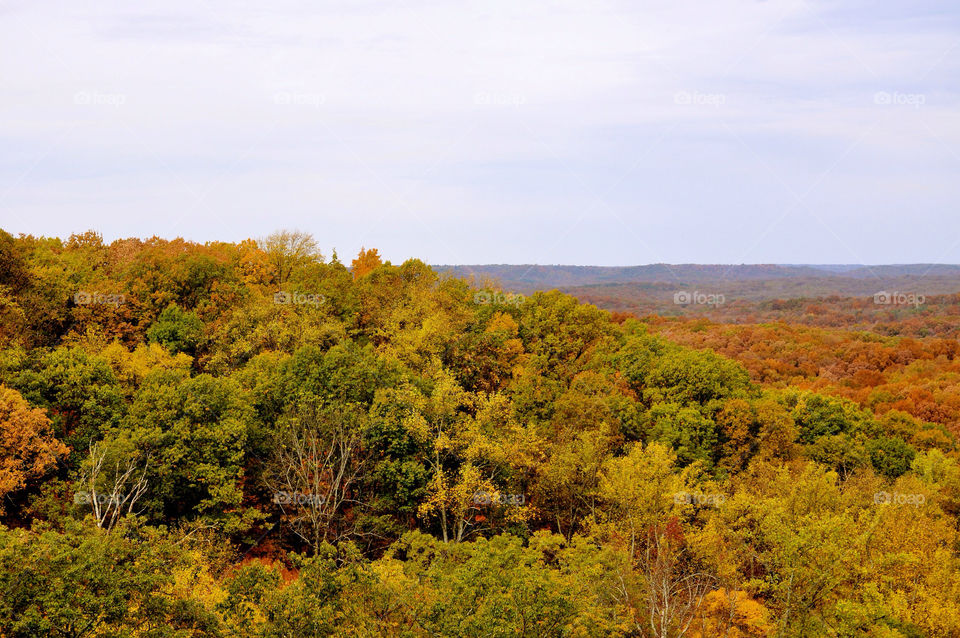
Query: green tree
195	431
890	456
177	330
80	391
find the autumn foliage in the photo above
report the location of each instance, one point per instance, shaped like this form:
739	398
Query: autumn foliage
255	440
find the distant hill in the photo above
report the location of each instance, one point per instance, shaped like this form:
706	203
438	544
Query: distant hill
531	277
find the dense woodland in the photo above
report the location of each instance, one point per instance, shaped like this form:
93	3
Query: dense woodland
258	440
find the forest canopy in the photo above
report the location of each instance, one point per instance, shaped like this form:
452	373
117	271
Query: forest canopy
254	439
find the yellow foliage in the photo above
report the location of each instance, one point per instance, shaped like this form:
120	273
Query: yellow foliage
132	367
193	581
732	614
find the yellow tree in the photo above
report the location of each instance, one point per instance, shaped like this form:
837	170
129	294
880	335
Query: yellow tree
437	420
642	500
637	492
732	614
288	250
458	457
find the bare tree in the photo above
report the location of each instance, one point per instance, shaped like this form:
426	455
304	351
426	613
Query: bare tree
315	467
675	590
112	494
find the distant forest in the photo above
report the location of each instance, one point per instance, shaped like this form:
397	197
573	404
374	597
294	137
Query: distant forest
913	300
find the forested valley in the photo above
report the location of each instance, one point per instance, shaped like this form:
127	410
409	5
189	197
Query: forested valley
255	439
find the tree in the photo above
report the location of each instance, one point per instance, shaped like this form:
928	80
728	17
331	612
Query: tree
177	330
196	431
566	489
642	499
637	492
685	429
675	585
79	389
83	582
367	261
111	492
687	376
335	594
890	456
733	614
805	536
439	420
563	332
288	250
495	587
314	475
27	446
14	271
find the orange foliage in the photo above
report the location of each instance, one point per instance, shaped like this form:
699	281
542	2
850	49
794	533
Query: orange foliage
733	614
918	376
27	446
366	262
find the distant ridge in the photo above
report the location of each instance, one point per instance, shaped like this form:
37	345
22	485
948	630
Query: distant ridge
529	277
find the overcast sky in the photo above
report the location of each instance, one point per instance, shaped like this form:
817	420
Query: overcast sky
609	133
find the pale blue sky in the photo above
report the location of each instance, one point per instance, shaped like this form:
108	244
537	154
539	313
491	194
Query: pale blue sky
609	133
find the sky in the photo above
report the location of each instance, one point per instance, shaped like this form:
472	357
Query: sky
603	133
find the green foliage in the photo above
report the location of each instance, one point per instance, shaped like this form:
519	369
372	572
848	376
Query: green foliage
817	415
194	433
80	391
687	376
890	456
500	588
685	429
82	582
176	330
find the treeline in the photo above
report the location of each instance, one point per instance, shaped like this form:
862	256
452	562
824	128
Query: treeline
255	440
